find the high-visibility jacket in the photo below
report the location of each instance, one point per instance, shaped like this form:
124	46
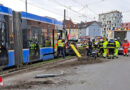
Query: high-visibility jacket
32	46
125	45
60	43
105	44
111	45
101	44
117	44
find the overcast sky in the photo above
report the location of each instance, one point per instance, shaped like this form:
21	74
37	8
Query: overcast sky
77	10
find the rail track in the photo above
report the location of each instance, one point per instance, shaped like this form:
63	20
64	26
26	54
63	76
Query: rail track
26	68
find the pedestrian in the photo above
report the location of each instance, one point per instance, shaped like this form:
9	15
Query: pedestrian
125	46
61	48
105	48
111	48
89	51
117	46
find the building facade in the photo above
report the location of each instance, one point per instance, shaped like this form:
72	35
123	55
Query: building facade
90	29
110	21
72	30
126	26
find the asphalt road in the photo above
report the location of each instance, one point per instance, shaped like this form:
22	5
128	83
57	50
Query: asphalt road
110	75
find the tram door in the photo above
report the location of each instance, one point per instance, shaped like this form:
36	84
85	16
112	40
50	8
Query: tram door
3	42
35	41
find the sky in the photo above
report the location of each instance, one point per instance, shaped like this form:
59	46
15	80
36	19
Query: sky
76	10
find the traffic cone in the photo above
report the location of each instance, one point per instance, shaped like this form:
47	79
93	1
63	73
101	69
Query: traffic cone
1	81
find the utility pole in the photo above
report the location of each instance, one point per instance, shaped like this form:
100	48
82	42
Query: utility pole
26	5
18	45
64	27
69	26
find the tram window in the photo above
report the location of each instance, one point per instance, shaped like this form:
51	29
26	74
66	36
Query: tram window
34	32
35	36
6	31
47	38
2	34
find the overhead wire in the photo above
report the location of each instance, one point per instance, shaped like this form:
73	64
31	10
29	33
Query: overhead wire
85	7
40	7
55	1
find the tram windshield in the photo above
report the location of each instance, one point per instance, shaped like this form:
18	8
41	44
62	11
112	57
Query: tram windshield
2	33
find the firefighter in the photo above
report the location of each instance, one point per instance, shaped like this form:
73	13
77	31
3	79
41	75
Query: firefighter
101	51
89	51
61	48
105	48
111	47
117	46
37	48
125	46
32	47
95	44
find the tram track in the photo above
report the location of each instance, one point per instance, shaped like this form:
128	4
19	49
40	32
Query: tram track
26	68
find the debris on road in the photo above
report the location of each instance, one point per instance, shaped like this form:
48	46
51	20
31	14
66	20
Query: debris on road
48	75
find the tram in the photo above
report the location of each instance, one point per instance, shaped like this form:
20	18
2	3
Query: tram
39	35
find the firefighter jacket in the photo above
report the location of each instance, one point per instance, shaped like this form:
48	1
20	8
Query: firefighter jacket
95	44
105	44
111	44
101	44
117	44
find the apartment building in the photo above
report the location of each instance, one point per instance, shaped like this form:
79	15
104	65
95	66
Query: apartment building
110	21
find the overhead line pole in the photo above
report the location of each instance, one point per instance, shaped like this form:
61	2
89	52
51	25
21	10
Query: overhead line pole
26	5
64	19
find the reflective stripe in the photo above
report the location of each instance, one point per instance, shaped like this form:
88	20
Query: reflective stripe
117	44
60	43
111	45
105	44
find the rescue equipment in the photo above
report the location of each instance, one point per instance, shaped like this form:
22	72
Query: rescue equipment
76	51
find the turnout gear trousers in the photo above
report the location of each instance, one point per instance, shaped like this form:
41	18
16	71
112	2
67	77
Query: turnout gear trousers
105	48
111	48
116	48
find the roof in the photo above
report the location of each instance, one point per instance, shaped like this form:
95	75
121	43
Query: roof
87	24
110	12
70	24
40	18
5	10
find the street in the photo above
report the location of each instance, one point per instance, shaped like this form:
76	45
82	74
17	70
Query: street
110	75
